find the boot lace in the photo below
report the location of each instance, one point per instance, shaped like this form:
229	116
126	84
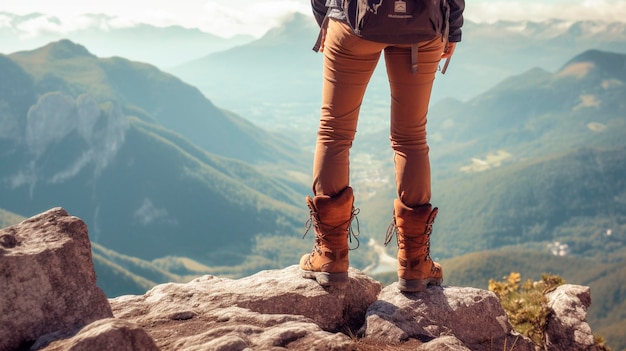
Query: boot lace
393	229
314	221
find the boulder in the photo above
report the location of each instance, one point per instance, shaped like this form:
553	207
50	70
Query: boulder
444	343
47	279
474	317
102	335
567	325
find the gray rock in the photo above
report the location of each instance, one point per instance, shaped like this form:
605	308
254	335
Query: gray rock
473	316
444	343
270	309
567	326
47	279
103	335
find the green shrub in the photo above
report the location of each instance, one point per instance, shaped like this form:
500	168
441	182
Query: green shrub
526	305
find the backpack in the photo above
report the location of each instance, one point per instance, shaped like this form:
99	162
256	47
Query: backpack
397	21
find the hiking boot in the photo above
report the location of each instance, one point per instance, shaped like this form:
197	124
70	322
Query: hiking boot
331	218
413	226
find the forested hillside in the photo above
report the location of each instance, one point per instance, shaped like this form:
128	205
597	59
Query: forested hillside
152	166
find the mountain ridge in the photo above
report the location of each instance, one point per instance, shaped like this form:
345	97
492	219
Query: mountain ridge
524	104
106	36
611	64
76	136
145	86
489	54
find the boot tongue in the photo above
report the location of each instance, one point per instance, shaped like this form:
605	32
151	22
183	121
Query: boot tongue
414	221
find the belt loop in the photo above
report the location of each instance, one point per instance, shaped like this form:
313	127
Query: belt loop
414	49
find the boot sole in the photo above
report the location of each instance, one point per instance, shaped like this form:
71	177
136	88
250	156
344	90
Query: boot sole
327	279
416	285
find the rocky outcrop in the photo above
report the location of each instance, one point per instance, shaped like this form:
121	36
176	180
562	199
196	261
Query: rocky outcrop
105	334
474	317
49	301
269	309
567	326
47	280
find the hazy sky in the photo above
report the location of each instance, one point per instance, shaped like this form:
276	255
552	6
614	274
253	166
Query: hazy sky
254	17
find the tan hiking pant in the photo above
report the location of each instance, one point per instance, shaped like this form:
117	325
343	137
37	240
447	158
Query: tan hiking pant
349	62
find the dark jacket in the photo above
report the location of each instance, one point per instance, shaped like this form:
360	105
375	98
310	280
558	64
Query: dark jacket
321	8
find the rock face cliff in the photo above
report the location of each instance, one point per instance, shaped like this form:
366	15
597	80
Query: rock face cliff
49	300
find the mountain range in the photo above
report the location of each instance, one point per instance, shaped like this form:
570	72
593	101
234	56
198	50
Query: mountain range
282	58
106	117
488	54
108	36
152	166
173	186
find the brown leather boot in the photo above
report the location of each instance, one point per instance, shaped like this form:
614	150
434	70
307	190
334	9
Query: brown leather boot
413	226
331	218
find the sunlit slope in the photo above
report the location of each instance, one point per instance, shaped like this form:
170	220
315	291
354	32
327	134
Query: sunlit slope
149	163
158	96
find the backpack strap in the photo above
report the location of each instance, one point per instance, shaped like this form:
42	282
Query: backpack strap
445	66
322	35
414	49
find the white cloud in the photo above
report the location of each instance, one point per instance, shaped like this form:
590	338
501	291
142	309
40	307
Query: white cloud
218	17
256	17
248	17
37	26
5	21
72	169
148	214
23	177
50	24
491	11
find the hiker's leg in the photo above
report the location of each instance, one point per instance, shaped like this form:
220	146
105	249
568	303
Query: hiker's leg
349	62
410	96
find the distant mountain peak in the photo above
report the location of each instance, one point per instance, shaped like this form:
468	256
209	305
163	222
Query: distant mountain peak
553	28
611	63
295	25
64	49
